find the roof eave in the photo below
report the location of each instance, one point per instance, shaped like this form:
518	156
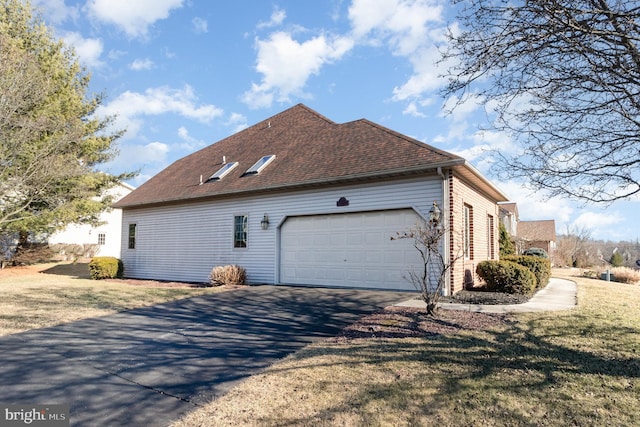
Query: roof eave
344	179
491	189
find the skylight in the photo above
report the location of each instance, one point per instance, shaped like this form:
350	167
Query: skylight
260	164
223	171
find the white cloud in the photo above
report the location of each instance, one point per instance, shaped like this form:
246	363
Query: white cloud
189	143
88	50
413	29
286	65
200	25
403	24
56	11
115	54
154	155
277	18
129	107
412	110
595	220
134	17
237	121
532	205
458	111
141	64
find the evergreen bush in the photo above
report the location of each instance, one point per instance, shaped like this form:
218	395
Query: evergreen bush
540	267
507	276
105	267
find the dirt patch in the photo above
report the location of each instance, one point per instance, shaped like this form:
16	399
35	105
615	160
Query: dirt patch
159	283
403	322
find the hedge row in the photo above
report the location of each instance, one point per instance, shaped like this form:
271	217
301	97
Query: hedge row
540	267
507	276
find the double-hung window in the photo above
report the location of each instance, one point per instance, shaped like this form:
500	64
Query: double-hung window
132	236
240	225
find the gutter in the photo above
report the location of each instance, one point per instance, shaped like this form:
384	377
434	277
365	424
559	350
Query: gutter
344	179
445	211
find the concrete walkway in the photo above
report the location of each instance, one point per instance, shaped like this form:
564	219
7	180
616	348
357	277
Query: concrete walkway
559	294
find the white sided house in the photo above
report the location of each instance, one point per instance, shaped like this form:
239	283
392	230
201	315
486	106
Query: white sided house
105	239
299	199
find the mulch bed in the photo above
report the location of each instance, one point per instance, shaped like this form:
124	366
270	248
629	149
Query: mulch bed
406	322
478	296
158	283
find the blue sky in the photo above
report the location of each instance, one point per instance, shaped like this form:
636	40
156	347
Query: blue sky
183	74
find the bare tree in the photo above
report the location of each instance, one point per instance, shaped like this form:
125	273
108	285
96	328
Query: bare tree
573	248
435	266
563	78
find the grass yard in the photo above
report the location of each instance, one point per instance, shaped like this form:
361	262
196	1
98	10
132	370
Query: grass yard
578	367
51	294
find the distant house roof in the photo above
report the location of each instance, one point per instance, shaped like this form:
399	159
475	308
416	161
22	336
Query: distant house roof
544	230
308	150
510	207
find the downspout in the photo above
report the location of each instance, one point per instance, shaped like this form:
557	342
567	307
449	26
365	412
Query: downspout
447	220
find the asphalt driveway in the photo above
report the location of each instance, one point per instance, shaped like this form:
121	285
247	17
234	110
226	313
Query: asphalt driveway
149	366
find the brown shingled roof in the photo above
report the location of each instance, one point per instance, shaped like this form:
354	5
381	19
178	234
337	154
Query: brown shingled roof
544	230
310	150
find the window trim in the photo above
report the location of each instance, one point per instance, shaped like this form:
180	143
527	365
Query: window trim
467	218
241	243
133	231
262	163
491	246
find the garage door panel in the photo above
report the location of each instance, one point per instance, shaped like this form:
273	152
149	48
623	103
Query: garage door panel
353	249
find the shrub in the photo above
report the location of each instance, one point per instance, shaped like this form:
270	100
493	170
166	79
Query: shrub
626	275
616	259
507	276
228	275
540	267
105	267
539	252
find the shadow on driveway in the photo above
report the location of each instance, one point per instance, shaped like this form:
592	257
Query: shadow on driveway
149	366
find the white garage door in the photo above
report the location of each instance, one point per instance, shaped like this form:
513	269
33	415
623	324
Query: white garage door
352	250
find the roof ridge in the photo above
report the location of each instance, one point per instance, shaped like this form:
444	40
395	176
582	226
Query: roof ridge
408	139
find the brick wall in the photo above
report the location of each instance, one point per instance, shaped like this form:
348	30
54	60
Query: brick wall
463	193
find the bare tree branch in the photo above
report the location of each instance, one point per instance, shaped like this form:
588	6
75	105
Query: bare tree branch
564	77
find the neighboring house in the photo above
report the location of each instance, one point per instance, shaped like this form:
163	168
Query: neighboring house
101	240
537	234
299	199
509	217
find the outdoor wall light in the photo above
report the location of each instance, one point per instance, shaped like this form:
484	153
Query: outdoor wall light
434	213
265	222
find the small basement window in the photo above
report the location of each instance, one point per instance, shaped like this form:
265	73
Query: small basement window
223	171
260	164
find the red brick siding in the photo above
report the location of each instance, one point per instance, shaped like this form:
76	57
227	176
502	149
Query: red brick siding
461	193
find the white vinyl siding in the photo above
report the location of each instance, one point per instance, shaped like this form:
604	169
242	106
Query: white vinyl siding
184	242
